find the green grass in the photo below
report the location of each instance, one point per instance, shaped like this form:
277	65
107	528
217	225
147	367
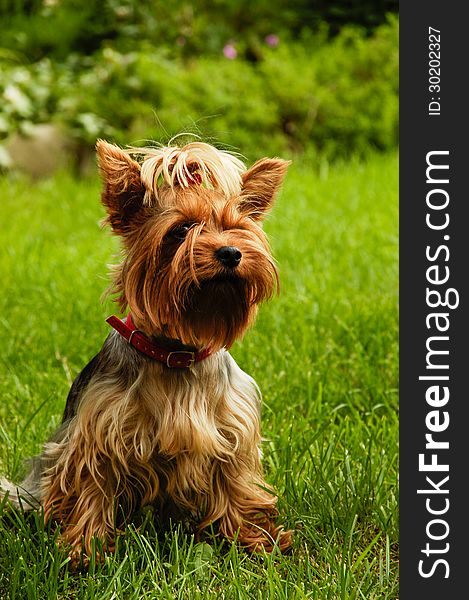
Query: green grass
324	354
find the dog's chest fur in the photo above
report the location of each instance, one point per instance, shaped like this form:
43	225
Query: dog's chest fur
181	424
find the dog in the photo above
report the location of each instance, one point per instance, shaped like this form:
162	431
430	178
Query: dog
163	415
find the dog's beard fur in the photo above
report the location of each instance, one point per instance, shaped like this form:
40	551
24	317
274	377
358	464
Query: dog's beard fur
219	310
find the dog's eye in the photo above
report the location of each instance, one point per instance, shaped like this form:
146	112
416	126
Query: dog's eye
180	231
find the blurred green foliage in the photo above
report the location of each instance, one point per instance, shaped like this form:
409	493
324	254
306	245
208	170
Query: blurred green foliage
269	76
56	28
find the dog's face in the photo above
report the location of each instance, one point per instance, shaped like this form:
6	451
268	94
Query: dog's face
196	262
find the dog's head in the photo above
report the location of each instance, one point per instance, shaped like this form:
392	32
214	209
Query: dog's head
196	261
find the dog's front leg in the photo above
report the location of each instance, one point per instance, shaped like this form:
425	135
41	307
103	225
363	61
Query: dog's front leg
82	500
91	493
84	511
244	510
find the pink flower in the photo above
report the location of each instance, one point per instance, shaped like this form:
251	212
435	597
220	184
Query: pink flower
230	51
272	40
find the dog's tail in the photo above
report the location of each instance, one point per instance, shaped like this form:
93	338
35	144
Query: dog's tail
25	495
10	491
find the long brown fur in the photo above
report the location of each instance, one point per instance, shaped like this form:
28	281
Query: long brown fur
136	432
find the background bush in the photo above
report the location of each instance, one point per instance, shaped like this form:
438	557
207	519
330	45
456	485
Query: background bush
39	28
328	95
269	77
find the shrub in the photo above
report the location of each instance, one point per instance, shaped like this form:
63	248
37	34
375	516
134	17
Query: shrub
57	28
336	97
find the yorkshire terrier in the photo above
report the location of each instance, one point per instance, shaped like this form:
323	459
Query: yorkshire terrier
163	415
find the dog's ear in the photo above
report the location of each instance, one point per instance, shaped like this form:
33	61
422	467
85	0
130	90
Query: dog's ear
260	186
123	191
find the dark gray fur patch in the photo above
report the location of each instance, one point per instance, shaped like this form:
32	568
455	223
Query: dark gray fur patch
116	357
79	385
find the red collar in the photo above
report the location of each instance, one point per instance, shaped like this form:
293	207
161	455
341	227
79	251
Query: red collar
179	359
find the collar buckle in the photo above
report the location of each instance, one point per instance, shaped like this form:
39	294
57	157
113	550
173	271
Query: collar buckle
180	362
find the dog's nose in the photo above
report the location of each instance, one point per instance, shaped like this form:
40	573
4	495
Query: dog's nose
229	256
